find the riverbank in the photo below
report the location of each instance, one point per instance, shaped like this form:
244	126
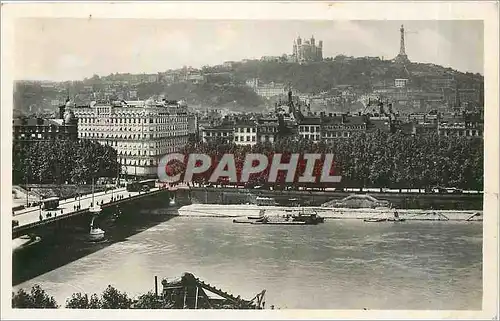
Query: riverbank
235	211
404	200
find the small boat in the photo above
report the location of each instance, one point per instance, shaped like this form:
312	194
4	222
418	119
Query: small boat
95	233
24	242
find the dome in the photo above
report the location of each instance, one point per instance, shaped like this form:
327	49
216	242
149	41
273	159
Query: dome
182	103
69	117
70	103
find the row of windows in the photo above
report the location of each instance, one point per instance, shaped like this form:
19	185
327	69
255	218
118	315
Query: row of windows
144	129
148	145
312	137
267	138
472	132
311	129
217	134
132	136
94	120
268	130
39	130
337	134
245	130
39	136
344	127
244	138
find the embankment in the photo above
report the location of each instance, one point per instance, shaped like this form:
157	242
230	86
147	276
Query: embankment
426	201
209	210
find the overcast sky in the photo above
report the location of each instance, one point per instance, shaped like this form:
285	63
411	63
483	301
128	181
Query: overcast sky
71	49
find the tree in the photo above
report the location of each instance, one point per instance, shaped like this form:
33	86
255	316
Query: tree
37	298
111	298
78	301
151	301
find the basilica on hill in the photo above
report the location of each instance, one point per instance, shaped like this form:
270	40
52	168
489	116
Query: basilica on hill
307	51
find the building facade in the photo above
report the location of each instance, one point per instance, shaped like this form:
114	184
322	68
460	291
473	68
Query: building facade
26	130
142	132
267	130
307	51
220	133
245	132
341	126
310	128
266	90
400	83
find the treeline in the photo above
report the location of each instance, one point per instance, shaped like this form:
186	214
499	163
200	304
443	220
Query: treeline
362	73
110	298
61	161
370	160
213	92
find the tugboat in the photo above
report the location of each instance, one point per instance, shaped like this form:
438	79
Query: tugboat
308	218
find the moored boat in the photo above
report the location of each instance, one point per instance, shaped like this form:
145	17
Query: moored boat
300	218
24	242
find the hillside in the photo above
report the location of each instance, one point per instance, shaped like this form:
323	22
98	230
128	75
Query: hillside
363	73
226	86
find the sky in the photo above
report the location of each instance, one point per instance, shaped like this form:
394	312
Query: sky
72	49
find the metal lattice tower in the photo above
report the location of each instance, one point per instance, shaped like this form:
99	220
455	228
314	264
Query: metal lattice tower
402	44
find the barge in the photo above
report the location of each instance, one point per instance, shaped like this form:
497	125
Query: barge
299	218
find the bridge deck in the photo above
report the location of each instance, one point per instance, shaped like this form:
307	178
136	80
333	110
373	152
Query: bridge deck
30	217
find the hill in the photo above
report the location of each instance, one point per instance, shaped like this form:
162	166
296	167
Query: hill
363	73
225	86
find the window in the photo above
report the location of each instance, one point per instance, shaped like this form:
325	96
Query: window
248	138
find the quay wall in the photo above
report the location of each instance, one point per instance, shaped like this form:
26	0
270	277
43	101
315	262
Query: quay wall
242	211
201	195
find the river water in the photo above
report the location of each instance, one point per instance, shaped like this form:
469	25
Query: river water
341	264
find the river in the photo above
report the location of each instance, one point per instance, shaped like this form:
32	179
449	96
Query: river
341	264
